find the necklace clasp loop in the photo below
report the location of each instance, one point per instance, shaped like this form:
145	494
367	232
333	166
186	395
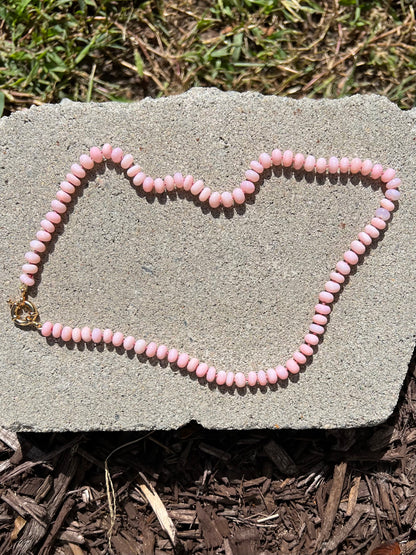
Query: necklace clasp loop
24	312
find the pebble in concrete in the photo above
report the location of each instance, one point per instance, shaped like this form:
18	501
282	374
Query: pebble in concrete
233	288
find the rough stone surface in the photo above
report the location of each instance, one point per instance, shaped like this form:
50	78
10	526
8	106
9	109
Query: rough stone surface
235	289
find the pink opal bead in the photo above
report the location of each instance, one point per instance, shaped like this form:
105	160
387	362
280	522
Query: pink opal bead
47	226
57	330
159	185
58	206
344	164
323	309
351	257
306	349
140	346
357	247
364	238
298	161
333	164
292	366
183	360
326	297
377	171
96	335
247	187
129	343
53	217
118	339
205	195
337	277
32	257
43	236
148	184
78	171
387	204
343	268
66	333
240	380
252	378
117	155
309	163
282	372
67	187
169	183
151	349
366	167
73	179
201	370
332	286
299	357
197	187
211	374
76	335
188	182
138	179
178	179
394	183
173	355
311	339
271	376
383	214
321	165
252	176
46	329
221	377
96	154
134	170
192	364
27	280
107	150
227	199
86	334
107	336
392	194
287	158
86	161
262	377
229	380
238	195
29	268
388	175
319	319
356	165
277	156
215	199
37	245
126	161
265	160
256	166
378	223
372	231
317	329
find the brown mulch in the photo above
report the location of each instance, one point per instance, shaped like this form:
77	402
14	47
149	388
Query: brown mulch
215	492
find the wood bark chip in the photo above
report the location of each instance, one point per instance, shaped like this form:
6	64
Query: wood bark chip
208	529
332	504
280	458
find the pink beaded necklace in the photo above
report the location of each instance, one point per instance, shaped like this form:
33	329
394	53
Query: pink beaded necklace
25	313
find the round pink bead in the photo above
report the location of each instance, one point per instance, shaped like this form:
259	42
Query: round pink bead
140	346
57	330
367	167
332	286
188	182
321	165
317	329
183	360
292	366
394	183
76	335
86	334
215	199
252	378
107	336
117	155
287	158
364	238
343	268
247	187
97	335
201	370
319	319
333	164
311	339
169	183
251	175
96	154
118	339
197	187
205	195
388	175
326	297
351	257
151	349
306	350
337	277
282	372
377	171
107	150
126	161
148	184
173	355
192	364
58	206
86	161
238	195
32	257
277	156
71	178
265	160
178	179
299	357
30	268
309	164
138	179
134	170
66	333
381	213
78	171
240	380
372	231
357	247
387	204
53	217
323	309
211	374
43	236
62	196
47	226
229	380
227	199
271	375
129	343
344	164
221	377
262	377
298	161
46	329
159	185
392	194
67	187
37	245
355	165
256	166
378	223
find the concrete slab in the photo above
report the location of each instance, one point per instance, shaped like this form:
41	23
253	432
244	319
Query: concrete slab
235	289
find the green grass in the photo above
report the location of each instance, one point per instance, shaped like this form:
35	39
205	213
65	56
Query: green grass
124	50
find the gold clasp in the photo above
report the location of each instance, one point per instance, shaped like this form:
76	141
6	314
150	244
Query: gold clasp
24	312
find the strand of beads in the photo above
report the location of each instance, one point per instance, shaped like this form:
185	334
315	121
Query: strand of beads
286	159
